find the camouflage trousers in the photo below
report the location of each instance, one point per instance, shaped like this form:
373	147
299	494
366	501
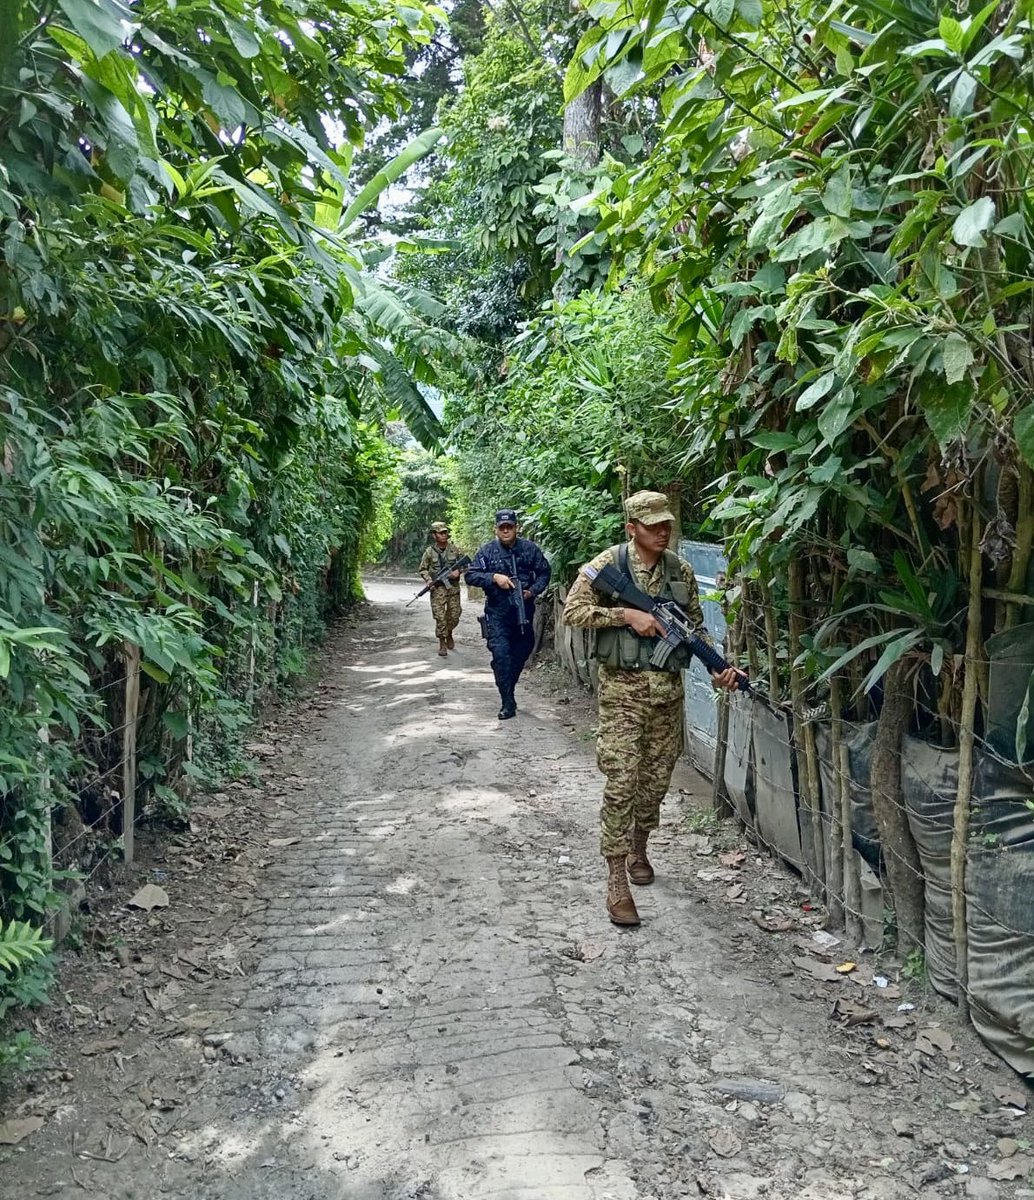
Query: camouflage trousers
639	737
445	605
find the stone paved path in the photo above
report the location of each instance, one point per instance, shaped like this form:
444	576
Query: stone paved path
439	1009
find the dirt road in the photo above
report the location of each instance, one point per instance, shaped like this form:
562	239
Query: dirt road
393	979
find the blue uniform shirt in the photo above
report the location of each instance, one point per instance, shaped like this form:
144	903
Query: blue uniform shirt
532	572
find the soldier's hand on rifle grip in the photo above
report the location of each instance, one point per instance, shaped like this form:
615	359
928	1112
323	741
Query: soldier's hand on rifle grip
527	593
728	679
503	581
454	574
643	623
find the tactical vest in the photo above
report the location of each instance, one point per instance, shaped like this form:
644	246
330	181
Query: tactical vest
623	648
443	562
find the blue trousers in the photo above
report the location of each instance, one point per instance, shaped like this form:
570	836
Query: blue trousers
510	647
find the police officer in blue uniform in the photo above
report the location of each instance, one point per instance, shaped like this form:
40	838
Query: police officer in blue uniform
500	566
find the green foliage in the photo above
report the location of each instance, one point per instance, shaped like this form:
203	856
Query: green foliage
423	497
506	119
18	1051
20	945
493	229
195	367
914	966
581	415
836	212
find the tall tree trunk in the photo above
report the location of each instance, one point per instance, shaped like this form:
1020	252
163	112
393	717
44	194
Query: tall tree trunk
904	871
581	145
582	126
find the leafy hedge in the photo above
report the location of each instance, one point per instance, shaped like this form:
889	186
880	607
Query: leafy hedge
194	375
581	418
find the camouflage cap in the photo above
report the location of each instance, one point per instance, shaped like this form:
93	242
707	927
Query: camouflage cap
650	508
439	527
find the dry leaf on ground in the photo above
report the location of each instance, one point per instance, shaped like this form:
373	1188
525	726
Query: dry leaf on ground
261	749
724	1142
853	1014
772	924
823	972
931	1039
14	1131
150	896
1014	1097
202	1019
897	1021
1019	1166
100	1047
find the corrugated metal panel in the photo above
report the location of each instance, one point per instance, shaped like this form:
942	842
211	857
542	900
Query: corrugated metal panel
708	563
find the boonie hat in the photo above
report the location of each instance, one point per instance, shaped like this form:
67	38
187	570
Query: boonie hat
648	507
506	516
439	527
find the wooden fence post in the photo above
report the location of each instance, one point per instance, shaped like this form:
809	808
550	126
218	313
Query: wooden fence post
132	706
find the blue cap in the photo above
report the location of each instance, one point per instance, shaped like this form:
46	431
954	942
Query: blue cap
506	516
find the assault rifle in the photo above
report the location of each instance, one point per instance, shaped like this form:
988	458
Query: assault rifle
668	615
443	574
518	594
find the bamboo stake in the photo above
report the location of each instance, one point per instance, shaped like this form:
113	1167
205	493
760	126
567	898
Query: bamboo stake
839	814
132	706
967	737
1020	598
720	801
852	882
748	634
811	753
253	647
1024	541
771	637
804	736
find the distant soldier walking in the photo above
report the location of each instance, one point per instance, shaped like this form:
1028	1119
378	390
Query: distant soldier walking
445	596
639	734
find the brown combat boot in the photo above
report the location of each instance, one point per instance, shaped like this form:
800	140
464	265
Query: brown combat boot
620	904
639	869
450	643
442	652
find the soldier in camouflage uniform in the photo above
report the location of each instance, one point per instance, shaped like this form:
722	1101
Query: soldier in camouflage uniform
445	597
639	735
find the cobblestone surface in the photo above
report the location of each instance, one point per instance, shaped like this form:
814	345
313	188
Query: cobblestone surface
439	1009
